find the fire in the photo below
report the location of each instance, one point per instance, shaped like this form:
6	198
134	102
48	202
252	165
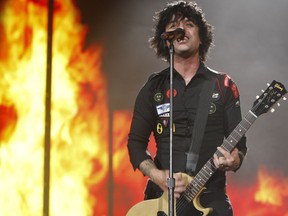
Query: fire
128	185
267	196
271	190
79	133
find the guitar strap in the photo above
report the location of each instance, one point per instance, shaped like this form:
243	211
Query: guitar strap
199	124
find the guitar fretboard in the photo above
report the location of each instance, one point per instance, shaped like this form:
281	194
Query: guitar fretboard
209	168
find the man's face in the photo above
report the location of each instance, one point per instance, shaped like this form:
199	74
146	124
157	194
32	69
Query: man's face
191	42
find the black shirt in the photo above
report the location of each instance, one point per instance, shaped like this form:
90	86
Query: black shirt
151	113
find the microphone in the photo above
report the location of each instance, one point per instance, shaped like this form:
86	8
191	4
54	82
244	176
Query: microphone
178	33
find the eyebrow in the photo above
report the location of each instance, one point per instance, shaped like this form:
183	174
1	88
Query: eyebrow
172	22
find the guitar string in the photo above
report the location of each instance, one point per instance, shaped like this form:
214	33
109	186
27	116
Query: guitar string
184	201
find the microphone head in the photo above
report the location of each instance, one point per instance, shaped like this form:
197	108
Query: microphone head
178	33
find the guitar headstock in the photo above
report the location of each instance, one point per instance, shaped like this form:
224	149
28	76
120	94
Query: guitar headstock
270	96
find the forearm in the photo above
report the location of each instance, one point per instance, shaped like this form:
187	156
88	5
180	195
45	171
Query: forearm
159	177
147	167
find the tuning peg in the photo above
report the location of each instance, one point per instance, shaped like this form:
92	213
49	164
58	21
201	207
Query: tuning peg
268	84
272	110
278	104
257	96
262	90
284	98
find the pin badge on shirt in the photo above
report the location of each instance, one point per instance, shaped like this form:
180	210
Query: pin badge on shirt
237	103
165	122
168	93
212	108
163	108
158	97
159	128
215	96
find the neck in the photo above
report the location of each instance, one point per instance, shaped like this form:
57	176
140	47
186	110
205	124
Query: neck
187	67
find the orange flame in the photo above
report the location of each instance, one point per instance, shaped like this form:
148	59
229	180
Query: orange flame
268	196
128	185
272	190
79	133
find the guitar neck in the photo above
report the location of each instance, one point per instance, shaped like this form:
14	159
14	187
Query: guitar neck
209	168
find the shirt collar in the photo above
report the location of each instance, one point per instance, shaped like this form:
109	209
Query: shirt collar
201	71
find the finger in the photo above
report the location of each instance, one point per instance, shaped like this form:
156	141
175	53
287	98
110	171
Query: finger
224	152
177	176
220	162
235	151
228	158
179	189
177	195
216	161
180	182
222	156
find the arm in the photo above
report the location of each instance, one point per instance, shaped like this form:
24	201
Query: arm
232	116
141	128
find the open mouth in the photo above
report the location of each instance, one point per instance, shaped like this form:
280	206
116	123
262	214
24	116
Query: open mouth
182	40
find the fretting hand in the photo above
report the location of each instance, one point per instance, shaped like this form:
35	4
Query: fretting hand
229	161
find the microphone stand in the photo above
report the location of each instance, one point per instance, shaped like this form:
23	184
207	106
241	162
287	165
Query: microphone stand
171	180
171	36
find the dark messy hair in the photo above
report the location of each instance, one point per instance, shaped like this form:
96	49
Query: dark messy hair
181	10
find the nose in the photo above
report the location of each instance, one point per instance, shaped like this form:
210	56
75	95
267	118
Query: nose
181	25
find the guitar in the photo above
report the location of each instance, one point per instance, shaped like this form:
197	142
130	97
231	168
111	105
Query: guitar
195	185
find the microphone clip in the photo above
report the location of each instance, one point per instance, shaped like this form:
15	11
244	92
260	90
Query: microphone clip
178	33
